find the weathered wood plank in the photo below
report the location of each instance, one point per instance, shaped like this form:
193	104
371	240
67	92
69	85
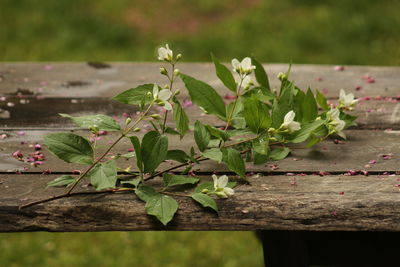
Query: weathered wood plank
361	147
372	114
82	80
348	203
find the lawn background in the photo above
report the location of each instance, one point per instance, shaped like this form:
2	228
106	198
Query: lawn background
357	32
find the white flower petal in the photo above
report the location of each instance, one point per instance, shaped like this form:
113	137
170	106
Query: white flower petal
247	82
164	53
167	105
164	94
289	117
215	178
222	181
246	63
341	134
340	126
229	191
342	94
155	91
235	64
294	126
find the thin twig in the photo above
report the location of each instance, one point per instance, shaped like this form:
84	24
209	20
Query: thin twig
69	192
74	194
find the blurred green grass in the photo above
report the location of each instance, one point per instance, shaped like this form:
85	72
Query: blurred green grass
362	32
148	249
301	31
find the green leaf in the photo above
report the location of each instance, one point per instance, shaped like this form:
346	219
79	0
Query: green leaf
201	135
306	130
171	180
136	145
348	119
256	115
134	182
178	155
260	150
266	95
136	96
169	130
261	145
259	158
283	105
64	180
299	99
205	200
70	147
103	175
205	96
180	117
235	162
154	150
101	122
213	154
309	107
146	193
313	141
279	153
261	75
220	134
224	74
162	207
322	102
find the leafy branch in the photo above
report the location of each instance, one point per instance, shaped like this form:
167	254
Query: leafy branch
261	123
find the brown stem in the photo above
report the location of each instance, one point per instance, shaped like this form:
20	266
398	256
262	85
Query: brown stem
74	194
174	194
199	158
69	192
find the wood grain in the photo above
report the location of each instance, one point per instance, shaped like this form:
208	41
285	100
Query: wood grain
372	114
354	154
82	80
285	196
350	203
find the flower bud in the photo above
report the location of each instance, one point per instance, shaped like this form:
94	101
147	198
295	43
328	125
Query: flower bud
136	130
205	191
177	72
282	76
94	129
163	71
155	116
149	94
177	92
221	194
178	57
160	102
273	139
166	86
128	120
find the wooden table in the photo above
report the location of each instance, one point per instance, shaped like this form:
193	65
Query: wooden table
307	199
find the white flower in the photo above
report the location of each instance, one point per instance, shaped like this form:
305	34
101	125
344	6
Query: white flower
247	82
337	124
243	67
346	100
220	188
162	97
164	53
289	123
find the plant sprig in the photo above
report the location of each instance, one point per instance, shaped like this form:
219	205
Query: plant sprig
260	124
